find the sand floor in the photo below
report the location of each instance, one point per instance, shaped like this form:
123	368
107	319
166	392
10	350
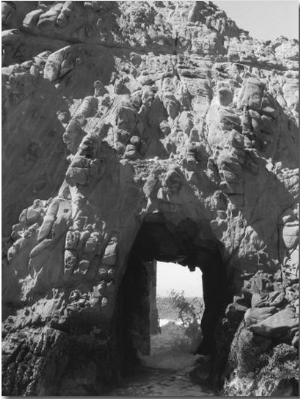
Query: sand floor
166	371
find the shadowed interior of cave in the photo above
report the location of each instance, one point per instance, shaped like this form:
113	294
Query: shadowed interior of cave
158	240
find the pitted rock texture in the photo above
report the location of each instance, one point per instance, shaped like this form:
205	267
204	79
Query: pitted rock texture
118	116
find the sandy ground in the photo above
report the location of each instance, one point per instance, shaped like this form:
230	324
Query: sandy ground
166	371
150	382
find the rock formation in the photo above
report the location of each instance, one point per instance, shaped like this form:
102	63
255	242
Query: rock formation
142	131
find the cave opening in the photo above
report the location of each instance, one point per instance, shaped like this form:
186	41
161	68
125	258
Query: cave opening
185	244
171	288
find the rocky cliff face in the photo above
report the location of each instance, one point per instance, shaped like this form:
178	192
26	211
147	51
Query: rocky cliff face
135	131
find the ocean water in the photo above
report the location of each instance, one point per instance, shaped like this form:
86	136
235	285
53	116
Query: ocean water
163	322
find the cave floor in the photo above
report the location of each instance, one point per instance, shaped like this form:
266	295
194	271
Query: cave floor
149	381
166	371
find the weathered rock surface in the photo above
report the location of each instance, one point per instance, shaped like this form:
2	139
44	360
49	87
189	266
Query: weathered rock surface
135	131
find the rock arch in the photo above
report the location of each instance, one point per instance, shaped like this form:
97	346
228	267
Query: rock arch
195	136
161	241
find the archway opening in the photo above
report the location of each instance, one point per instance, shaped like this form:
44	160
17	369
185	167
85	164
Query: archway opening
186	244
176	310
176	296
